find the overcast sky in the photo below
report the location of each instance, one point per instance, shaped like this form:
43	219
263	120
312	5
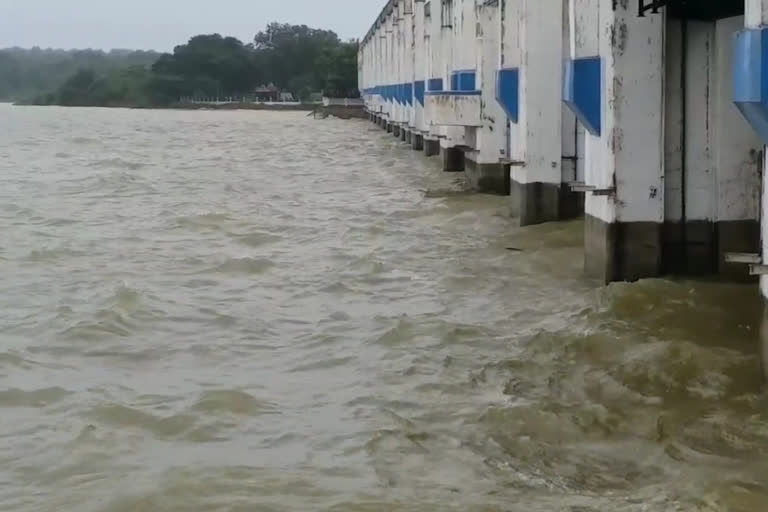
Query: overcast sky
162	24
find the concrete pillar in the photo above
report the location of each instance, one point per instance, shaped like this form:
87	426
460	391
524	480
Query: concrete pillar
417	141
389	67
483	168
420	69
407	73
536	137
436	42
614	84
431	147
397	62
453	159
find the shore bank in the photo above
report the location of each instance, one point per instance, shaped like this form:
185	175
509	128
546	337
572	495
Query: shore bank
308	107
319	110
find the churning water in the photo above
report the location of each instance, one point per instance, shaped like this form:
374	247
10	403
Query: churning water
252	311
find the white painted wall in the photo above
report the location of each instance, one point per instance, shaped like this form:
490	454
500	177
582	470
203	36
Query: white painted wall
756	13
454	110
584	29
465	35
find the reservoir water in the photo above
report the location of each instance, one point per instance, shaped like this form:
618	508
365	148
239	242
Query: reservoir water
254	311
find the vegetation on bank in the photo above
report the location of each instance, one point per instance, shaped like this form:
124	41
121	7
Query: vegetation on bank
26	73
297	59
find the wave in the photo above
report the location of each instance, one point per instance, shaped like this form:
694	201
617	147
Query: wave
35	398
83	140
117	163
204	221
122	314
52	255
163	427
233	402
244	266
256	239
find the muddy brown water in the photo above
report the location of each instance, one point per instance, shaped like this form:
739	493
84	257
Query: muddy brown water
254	311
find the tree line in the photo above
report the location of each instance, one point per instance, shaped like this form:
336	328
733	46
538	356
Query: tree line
26	73
294	58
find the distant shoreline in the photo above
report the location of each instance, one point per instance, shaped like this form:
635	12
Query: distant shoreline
245	106
302	107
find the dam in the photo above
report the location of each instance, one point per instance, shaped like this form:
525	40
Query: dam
649	118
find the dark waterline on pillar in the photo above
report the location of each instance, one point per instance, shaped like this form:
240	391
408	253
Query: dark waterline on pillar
537	203
706	246
623	251
453	159
431	147
488	178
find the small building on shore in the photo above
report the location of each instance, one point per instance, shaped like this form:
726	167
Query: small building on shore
267	93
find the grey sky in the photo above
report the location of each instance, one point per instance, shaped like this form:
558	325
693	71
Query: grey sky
162	24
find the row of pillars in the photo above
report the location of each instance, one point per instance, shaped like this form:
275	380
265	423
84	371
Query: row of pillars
453	158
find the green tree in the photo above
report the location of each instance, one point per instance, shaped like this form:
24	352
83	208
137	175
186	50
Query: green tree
297	58
26	73
77	90
212	64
